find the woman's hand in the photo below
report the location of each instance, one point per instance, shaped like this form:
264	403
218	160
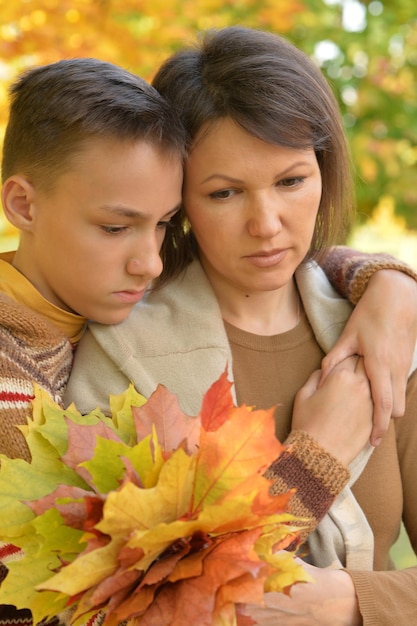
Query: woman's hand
382	329
328	601
338	413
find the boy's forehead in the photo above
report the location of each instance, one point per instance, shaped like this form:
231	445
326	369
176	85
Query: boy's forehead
130	179
114	145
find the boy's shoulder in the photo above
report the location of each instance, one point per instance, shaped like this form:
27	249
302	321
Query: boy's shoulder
32	349
27	325
17	319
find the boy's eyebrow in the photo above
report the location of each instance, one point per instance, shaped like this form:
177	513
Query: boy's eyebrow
134	214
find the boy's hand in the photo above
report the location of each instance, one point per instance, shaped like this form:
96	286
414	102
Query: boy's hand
385	335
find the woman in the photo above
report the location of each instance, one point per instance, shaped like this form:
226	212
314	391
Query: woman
266	192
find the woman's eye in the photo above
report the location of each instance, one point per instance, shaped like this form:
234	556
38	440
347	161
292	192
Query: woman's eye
291	182
223	194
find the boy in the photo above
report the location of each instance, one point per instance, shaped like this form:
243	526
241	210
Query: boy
92	174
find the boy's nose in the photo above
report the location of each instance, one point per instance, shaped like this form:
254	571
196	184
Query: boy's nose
148	264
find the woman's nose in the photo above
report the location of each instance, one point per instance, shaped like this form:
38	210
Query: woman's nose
264	218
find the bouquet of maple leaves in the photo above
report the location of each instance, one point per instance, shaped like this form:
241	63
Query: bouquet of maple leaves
149	516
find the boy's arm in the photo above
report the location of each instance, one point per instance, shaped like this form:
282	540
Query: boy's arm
382	327
32	350
350	271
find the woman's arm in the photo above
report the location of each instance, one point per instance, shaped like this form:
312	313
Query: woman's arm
331	424
358	598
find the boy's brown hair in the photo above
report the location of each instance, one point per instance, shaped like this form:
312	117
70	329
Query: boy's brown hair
55	109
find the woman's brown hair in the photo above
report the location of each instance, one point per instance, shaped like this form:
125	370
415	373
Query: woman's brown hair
276	93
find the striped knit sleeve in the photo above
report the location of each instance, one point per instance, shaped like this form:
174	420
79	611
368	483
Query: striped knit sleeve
316	476
349	271
31	350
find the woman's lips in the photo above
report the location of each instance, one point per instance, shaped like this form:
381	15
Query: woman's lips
266	259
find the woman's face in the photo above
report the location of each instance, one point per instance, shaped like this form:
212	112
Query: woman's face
252	207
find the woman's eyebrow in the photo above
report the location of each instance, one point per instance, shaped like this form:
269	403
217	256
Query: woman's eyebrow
237	181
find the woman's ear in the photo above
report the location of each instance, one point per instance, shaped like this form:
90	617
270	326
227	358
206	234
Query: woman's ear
18	197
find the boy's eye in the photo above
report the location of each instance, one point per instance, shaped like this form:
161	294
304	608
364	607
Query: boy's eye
113	230
167	224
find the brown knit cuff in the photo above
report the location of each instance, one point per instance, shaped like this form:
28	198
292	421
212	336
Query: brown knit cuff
349	271
11	616
317	476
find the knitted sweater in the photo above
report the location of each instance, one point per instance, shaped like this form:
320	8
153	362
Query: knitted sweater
31	350
349	271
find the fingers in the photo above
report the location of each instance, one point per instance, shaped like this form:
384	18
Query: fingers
352	362
311	385
386	374
385	404
341	351
358	363
381	391
338	414
382	396
399	387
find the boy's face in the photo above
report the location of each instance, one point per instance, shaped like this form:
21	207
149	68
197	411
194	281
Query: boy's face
94	241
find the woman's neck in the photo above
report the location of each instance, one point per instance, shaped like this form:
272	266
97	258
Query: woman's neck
264	313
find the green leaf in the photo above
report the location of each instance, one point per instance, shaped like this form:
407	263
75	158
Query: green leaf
121	409
46	544
21	481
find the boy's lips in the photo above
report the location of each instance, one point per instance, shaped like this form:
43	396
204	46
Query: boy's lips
130	296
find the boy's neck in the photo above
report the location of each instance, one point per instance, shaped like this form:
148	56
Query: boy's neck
16	286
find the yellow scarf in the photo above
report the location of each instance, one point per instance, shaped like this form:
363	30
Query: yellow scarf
18	287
